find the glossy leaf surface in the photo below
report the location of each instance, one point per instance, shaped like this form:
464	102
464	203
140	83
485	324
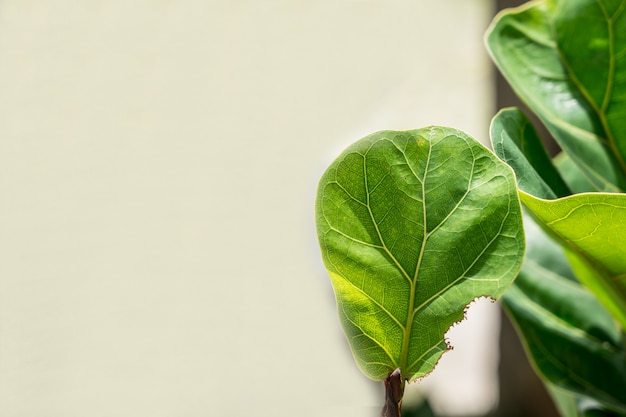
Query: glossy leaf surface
591	227
413	226
572	340
516	142
567	60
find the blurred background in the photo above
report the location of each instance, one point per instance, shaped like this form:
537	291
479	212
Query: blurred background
158	167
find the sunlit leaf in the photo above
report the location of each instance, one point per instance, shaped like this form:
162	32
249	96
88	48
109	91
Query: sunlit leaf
567	60
591	227
413	226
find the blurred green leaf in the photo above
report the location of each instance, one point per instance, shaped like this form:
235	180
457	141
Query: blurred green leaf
413	226
575	405
420	409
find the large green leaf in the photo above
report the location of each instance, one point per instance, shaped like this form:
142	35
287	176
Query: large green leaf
413	226
516	142
567	333
571	339
567	60
591	227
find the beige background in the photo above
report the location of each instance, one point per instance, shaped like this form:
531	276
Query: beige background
158	166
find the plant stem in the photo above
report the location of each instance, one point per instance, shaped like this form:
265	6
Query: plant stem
394	390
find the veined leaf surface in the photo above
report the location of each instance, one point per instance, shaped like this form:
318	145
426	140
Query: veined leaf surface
567	60
413	226
591	228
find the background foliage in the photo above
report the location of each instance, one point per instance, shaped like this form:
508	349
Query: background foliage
569	301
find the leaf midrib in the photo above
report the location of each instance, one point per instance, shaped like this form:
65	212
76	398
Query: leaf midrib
411	310
382	240
412	281
553	119
600	110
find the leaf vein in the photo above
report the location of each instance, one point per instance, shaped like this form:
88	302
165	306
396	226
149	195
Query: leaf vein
460	277
364	334
353	239
376	226
379	305
469	182
423	355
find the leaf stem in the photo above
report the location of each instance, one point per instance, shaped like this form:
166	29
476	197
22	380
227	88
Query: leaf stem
394	391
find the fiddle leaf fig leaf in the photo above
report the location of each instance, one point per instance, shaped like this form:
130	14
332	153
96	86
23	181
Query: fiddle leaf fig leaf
413	226
566	60
591	228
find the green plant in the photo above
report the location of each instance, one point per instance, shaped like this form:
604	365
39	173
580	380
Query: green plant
414	225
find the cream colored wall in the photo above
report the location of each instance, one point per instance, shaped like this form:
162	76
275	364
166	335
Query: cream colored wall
158	164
